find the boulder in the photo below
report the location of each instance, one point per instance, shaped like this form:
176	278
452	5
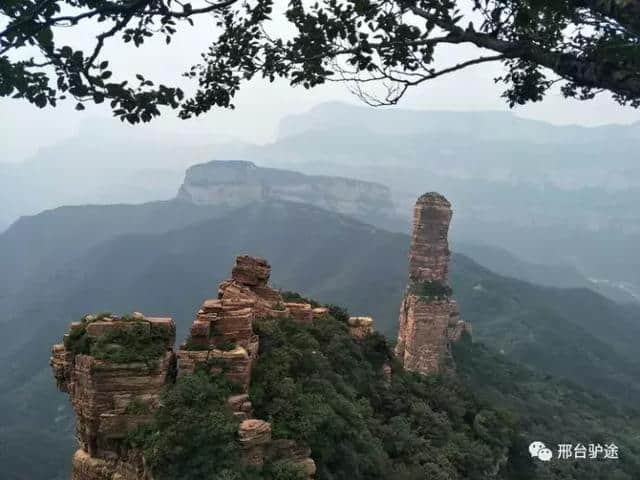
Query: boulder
360	327
300	312
251	271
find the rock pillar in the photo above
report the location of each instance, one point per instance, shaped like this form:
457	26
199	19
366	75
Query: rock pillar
429	317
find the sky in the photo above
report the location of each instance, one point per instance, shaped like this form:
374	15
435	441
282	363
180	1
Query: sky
24	129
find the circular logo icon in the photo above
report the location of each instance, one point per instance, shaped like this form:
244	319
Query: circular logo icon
540	451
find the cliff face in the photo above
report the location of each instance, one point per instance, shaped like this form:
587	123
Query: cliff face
116	368
429	318
111	393
238	183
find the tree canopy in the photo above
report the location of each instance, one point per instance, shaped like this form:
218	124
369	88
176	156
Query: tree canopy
587	46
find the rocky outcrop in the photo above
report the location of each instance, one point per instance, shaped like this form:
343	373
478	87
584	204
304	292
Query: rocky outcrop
111	395
238	183
429	253
360	327
222	341
429	318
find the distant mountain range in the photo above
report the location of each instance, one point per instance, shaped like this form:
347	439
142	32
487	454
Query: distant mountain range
549	195
480	125
239	183
556	196
98	165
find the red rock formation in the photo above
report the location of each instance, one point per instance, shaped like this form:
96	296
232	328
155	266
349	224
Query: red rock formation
429	318
221	341
319	312
301	312
429	254
254	437
251	271
360	327
110	398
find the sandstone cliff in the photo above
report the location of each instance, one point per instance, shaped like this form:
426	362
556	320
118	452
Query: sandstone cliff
115	369
114	387
238	183
429	318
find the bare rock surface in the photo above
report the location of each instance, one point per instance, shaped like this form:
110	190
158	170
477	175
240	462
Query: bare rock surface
239	183
429	319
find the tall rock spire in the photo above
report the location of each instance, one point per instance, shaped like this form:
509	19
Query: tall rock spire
429	317
429	254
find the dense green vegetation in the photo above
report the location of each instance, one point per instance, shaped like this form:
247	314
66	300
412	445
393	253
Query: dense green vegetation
136	343
193	414
431	290
193	436
570	333
554	411
137	407
295	297
320	387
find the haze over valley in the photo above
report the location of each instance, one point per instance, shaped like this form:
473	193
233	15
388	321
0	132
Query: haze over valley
538	192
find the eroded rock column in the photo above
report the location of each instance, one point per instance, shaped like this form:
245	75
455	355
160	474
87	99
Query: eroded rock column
222	342
429	317
114	390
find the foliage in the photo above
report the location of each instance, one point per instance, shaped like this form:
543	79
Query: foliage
78	341
279	306
218	343
137	407
339	313
553	411
320	387
431	290
561	331
132	344
190	345
193	433
282	470
295	297
225	346
590	46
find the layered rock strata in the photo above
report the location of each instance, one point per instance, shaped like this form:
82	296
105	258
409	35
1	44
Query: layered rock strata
110	398
222	341
239	183
429	318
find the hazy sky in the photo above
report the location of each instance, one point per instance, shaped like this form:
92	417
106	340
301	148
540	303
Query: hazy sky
260	105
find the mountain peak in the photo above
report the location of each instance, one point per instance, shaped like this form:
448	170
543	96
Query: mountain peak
237	183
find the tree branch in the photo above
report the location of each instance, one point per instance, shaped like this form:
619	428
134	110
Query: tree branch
583	72
625	12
